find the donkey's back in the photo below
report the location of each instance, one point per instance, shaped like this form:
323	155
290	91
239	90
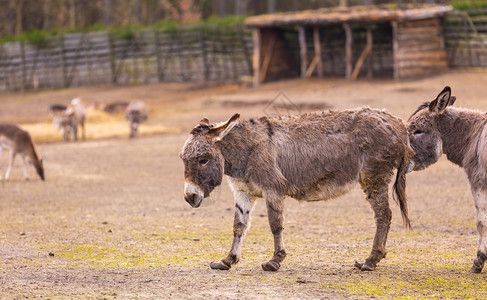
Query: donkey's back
322	155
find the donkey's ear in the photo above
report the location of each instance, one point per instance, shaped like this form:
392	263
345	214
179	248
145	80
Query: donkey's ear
205	121
452	100
221	130
441	101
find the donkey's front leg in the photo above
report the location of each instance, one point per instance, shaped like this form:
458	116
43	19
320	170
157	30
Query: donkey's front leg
480	197
10	164
275	210
243	207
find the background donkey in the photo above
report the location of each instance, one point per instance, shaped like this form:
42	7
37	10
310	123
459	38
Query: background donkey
64	120
435	128
310	158
136	113
19	142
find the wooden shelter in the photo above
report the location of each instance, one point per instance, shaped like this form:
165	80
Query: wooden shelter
388	40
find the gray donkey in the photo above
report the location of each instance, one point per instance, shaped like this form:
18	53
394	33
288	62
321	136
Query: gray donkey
436	128
313	157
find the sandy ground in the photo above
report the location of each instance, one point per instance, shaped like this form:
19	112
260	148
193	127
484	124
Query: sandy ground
110	221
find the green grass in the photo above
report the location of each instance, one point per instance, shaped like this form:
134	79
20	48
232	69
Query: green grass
469	4
39	38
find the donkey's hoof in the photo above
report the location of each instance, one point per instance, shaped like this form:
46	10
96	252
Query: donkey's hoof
366	266
475	269
271	265
219	266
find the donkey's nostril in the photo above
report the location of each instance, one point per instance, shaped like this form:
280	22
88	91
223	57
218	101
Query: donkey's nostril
192	194
190	199
193	199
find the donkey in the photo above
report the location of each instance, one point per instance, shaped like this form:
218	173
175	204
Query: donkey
64	121
136	113
436	128
77	110
19	142
312	157
115	107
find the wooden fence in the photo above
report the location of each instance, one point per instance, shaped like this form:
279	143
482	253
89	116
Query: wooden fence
198	55
466	39
145	56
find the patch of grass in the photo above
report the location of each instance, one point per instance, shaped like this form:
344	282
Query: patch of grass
99	125
404	285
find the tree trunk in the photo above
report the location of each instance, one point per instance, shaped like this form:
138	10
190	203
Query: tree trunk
137	11
18	16
72	14
271	6
221	8
47	14
107	12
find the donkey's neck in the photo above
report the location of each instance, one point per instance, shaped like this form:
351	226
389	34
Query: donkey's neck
460	129
236	148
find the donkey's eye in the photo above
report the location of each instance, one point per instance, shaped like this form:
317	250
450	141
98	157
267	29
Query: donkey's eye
417	132
203	162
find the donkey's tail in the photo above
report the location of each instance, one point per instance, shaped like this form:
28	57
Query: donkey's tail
399	192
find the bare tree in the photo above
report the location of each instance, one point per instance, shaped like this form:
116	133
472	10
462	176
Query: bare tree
18	16
240	7
271	6
106	12
137	11
72	14
46	9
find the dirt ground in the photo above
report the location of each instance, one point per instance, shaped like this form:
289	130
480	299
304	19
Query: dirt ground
110	222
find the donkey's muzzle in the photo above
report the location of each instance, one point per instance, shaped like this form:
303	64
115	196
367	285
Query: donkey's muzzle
193	194
194	200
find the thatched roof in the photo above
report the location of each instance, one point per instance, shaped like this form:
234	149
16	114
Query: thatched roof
351	14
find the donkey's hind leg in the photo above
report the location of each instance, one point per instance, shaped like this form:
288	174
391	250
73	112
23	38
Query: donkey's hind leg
24	168
382	214
480	196
275	214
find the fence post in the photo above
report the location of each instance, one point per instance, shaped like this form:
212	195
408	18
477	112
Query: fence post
157	43
247	55
63	60
111	57
204	57
22	66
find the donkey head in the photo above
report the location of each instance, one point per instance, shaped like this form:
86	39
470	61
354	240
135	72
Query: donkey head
203	160
424	136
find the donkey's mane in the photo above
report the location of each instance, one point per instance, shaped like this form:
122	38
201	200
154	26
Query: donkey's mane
420	108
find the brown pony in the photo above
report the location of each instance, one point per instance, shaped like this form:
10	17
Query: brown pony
313	157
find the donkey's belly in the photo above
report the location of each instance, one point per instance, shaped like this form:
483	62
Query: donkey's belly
323	191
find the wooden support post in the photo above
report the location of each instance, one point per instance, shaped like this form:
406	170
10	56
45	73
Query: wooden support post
316	39
268	56
363	56
256	58
370	61
395	48
312	67
348	50
302	50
